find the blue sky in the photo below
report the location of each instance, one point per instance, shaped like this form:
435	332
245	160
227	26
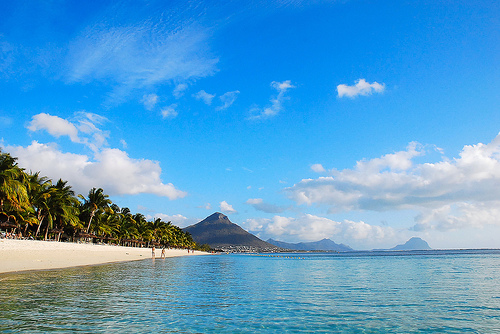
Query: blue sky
360	121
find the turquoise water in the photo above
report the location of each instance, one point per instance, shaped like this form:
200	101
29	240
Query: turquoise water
412	292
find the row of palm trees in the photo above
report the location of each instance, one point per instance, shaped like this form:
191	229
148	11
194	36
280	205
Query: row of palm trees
34	206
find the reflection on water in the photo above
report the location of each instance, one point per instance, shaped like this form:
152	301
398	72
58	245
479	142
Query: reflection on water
458	292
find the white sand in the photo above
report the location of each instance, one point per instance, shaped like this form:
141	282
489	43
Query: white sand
20	255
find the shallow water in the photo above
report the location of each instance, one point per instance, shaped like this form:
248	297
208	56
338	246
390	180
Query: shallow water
403	292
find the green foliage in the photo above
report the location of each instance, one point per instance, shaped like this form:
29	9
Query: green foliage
13	193
37	205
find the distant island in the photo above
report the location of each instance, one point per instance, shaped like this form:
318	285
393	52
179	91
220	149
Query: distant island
322	245
414	243
220	233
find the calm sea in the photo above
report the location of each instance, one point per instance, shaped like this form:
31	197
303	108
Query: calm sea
398	292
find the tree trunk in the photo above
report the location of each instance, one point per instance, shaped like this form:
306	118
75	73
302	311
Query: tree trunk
39	225
46	232
90	220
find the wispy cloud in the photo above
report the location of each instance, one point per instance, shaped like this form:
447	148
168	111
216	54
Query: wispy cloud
150	101
204	96
276	106
179	90
360	88
140	55
247	169
169	112
206	206
227	99
7	56
260	205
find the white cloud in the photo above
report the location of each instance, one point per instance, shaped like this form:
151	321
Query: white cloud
205	97
360	88
82	130
276	106
177	220
150	101
169	112
140	55
111	169
179	90
459	215
318	168
226	208
259	204
227	99
55	126
449	194
313	228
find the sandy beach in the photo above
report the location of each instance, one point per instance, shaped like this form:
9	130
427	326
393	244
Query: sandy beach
22	255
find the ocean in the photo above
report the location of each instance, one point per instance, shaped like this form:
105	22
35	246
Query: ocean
358	292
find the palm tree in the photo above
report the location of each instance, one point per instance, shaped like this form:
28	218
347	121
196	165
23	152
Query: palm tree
108	224
128	226
32	199
97	201
166	233
143	227
63	206
156	227
12	188
39	192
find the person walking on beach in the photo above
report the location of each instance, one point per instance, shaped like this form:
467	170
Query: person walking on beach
163	253
153	252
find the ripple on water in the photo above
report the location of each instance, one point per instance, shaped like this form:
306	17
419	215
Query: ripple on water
239	293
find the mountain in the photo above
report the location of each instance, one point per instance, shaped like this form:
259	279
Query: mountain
219	232
322	245
413	244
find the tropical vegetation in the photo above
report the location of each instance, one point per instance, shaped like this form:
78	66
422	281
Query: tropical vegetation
33	206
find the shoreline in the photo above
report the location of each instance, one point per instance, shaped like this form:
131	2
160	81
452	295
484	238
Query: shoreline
29	255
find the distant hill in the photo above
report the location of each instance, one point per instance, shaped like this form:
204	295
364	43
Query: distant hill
413	244
322	245
219	232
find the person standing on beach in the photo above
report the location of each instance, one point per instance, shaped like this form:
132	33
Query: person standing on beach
163	253
153	252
